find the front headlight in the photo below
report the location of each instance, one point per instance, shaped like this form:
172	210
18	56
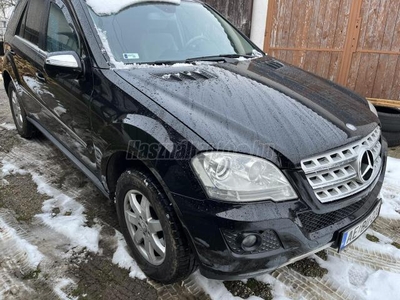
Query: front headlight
373	109
241	178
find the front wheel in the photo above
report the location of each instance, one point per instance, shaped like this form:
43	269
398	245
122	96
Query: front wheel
151	228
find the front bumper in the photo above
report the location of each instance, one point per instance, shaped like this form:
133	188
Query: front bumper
290	231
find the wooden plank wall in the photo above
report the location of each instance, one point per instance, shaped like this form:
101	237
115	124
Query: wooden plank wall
375	67
238	12
313	35
310	34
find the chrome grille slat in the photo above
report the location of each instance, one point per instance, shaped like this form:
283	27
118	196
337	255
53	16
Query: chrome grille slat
334	175
335	178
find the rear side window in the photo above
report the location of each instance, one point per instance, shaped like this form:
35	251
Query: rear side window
21	24
60	33
33	21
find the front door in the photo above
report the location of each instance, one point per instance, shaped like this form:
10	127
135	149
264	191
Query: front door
67	100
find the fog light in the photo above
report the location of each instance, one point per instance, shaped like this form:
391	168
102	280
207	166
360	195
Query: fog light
251	242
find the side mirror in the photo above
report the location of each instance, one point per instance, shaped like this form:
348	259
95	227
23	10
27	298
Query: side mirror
65	65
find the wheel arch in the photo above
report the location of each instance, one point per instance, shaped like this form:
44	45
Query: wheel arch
10	71
120	161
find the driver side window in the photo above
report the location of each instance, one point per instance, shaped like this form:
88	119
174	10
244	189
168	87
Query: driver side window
60	34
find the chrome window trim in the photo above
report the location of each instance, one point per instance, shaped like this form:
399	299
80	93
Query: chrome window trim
31	45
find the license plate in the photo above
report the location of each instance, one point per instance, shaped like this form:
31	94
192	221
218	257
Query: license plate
353	233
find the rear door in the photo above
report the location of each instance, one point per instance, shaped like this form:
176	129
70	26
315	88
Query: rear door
25	51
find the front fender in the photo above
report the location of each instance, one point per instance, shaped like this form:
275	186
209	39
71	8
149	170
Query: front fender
142	141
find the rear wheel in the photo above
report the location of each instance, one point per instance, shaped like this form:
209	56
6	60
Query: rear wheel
152	229
24	128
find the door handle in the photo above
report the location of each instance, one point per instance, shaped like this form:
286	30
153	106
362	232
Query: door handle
12	52
40	76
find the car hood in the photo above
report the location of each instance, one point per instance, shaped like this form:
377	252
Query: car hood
256	106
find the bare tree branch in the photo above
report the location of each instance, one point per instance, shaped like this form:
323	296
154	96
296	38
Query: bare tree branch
5	4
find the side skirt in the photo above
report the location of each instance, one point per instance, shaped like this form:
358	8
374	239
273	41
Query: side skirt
72	157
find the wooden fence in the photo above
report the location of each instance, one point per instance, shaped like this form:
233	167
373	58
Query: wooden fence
353	42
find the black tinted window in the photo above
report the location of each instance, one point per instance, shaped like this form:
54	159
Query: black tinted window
60	33
34	21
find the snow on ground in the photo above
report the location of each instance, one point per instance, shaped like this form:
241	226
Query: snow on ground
62	284
109	7
61	212
362	281
384	245
10	169
279	290
123	259
391	190
215	288
8	126
9	236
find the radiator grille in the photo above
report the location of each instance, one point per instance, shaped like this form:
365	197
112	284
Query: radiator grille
340	173
313	222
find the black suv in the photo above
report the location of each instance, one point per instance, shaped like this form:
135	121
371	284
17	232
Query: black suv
217	155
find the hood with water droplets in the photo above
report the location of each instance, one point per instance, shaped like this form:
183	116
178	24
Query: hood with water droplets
251	107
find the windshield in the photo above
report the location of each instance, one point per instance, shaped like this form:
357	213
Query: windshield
162	32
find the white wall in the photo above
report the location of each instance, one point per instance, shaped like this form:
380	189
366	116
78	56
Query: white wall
258	22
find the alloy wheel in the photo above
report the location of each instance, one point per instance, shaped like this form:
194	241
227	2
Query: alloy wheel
144	227
17	110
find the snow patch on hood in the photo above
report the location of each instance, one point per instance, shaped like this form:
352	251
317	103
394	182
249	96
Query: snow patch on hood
109	7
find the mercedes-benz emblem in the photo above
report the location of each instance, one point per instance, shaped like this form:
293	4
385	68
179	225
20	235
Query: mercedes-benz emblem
366	166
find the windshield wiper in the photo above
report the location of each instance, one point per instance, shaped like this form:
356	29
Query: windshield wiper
237	55
221	57
159	62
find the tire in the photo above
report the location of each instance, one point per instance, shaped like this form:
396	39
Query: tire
24	128
178	261
393	138
390	118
